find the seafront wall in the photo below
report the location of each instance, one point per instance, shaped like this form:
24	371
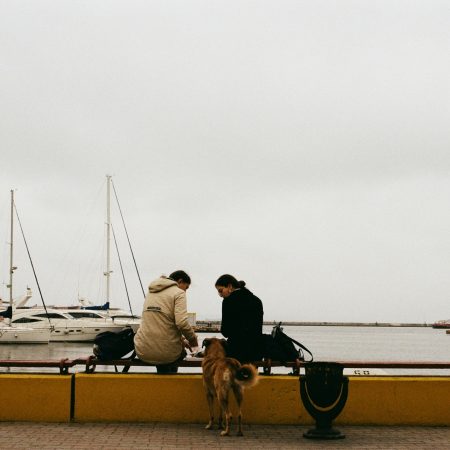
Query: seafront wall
102	397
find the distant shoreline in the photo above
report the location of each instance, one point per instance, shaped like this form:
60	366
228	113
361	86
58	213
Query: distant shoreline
216	324
353	324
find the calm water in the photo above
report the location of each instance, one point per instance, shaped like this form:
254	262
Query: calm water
327	343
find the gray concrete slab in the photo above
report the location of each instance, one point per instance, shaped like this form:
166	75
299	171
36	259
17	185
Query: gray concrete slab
110	436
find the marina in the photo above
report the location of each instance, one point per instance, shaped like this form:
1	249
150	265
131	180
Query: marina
41	324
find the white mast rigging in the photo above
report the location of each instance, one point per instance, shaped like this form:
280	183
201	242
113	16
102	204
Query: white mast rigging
108	236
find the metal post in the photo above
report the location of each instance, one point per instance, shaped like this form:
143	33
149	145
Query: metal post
323	391
108	235
11	267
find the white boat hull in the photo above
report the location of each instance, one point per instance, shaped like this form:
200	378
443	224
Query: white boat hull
81	334
24	335
67	328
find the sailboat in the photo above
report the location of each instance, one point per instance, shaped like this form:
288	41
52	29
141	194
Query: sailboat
11	333
118	315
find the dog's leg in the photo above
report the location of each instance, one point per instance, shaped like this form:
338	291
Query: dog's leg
210	398
223	401
239	398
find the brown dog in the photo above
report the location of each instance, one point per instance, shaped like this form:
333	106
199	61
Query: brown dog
220	375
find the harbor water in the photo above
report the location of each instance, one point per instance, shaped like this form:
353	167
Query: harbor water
327	343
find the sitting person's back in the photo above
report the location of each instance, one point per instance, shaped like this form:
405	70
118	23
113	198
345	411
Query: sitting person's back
242	319
159	339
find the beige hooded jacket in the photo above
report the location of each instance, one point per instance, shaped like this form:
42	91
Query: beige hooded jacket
164	321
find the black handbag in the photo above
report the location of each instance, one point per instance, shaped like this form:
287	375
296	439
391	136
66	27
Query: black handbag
278	346
111	345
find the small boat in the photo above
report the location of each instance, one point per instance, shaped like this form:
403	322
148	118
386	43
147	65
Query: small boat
10	332
442	324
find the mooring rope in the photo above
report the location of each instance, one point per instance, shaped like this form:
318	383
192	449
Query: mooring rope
31	261
126	232
121	268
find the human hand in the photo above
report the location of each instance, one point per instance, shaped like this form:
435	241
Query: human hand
186	344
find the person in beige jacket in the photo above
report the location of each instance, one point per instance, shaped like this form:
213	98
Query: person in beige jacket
165	330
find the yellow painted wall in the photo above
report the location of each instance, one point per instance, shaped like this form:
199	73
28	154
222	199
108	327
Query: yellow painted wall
275	400
35	398
139	398
180	398
397	401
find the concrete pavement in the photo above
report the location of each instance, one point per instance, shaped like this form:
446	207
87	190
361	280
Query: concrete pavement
111	436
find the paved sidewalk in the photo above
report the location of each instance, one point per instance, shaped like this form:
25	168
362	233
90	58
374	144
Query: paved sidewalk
110	436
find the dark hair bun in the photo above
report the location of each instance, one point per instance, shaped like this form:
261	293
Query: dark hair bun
241	283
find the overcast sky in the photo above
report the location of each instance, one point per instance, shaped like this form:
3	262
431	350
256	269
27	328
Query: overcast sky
301	146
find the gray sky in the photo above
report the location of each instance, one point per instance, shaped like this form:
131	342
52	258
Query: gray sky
301	146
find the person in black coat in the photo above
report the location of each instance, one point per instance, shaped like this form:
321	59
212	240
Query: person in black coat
242	319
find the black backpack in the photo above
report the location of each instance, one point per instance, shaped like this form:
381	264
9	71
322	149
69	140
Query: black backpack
278	346
111	345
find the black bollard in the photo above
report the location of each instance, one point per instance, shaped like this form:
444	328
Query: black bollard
323	390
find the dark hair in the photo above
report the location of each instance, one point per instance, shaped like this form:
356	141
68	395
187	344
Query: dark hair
180	275
226	279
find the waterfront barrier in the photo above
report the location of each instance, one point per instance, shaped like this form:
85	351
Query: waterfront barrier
91	362
150	397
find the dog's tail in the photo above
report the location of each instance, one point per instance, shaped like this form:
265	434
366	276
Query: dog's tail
247	375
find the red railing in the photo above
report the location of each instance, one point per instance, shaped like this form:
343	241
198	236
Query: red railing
91	362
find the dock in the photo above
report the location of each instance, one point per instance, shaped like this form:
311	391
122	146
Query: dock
207	327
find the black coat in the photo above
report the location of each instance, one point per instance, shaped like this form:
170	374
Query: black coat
242	322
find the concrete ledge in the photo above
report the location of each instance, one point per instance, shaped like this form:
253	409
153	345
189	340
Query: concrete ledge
275	400
138	398
43	398
397	401
181	399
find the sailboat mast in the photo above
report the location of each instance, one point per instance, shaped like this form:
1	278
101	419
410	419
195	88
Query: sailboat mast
11	267
108	235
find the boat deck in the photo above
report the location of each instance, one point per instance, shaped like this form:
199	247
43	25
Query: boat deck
79	436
